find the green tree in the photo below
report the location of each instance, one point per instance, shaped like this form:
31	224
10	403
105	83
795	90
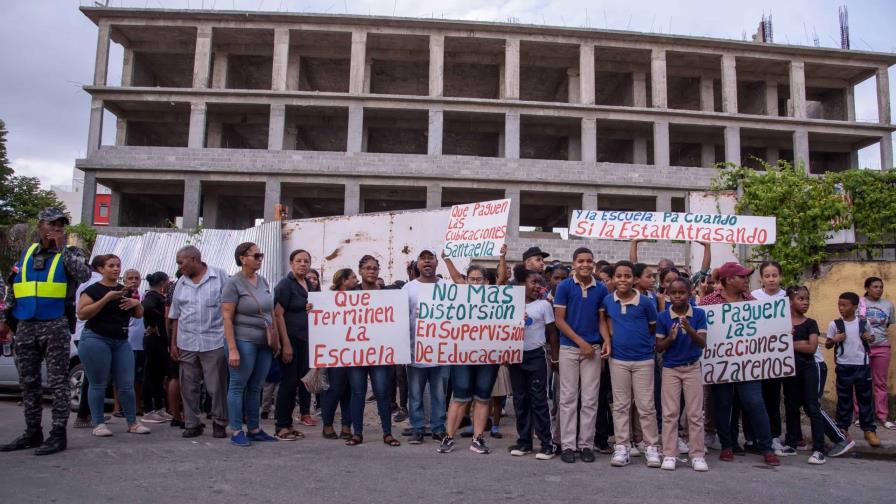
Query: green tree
21	198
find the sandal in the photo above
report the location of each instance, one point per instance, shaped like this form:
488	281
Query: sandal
391	441
355	440
287	434
345	434
889	425
331	434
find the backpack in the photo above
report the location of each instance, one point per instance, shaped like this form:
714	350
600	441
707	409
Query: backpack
841	327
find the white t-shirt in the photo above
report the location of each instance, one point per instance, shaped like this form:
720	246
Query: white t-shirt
538	314
136	330
79	324
413	290
761	295
853	350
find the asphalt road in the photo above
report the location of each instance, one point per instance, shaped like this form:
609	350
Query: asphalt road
164	467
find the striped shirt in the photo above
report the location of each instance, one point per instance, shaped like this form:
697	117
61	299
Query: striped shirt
197	309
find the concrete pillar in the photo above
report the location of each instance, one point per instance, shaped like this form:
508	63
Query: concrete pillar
101	67
210	209
639	89
511	69
798	88
293	63
589	140
281	59
771	98
127	67
95	131
512	135
854	159
352	200
772	155
707	94
88	197
436	65
729	84
356	73
658	78
213	137
801	148
121	132
883	96
513	220
886	152
276	127
573	93
639	151
664	202
433	196
586	74
196	140
203	56
707	155
849	96
732	145
434	139
661	143
192	200
272	191
589	200
355	128
115	208
219	74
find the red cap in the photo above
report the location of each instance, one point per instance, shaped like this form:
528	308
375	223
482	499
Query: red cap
733	269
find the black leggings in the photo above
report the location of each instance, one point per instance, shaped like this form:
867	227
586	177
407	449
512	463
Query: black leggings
290	380
155	350
399	378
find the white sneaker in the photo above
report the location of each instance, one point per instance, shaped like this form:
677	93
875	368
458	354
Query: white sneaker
138	428
699	464
101	431
776	444
636	449
711	441
817	458
620	456
683	448
668	464
653	457
153	417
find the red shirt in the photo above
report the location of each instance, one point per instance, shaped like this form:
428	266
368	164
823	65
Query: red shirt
716	298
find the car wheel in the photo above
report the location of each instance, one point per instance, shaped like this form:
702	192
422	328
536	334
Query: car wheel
75	380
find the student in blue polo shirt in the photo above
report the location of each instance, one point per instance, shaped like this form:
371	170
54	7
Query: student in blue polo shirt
681	333
582	350
631	319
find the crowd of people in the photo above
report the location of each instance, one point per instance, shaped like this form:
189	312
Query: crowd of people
609	350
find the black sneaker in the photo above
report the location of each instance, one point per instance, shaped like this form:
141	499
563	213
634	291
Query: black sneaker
603	447
439	436
407	432
519	450
478	446
547	452
416	438
446	445
192	432
587	455
400	416
219	431
568	456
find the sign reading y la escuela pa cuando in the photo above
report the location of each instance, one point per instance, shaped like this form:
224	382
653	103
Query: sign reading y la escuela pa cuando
469	324
713	228
748	341
477	229
358	328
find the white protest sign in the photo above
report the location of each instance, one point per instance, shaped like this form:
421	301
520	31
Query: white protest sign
748	341
469	324
477	229
358	328
713	228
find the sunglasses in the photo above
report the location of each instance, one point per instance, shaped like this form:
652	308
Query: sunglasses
257	256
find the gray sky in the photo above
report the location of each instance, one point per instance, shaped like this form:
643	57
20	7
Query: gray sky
47	50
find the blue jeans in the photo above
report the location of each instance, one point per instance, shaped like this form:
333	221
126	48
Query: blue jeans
337	395
103	357
244	388
473	382
750	394
418	377
379	379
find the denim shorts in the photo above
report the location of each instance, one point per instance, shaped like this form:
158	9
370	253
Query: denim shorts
476	381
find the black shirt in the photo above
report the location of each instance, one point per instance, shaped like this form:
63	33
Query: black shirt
293	297
154	312
801	332
111	321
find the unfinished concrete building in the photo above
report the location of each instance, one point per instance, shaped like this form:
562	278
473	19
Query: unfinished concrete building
221	116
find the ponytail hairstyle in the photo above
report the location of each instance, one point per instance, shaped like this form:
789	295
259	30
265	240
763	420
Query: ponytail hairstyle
156	279
340	277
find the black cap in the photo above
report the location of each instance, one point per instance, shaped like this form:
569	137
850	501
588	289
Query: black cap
534	251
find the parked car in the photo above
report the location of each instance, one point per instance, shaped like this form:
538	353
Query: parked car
9	376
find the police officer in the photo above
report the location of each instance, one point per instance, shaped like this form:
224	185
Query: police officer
41	296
